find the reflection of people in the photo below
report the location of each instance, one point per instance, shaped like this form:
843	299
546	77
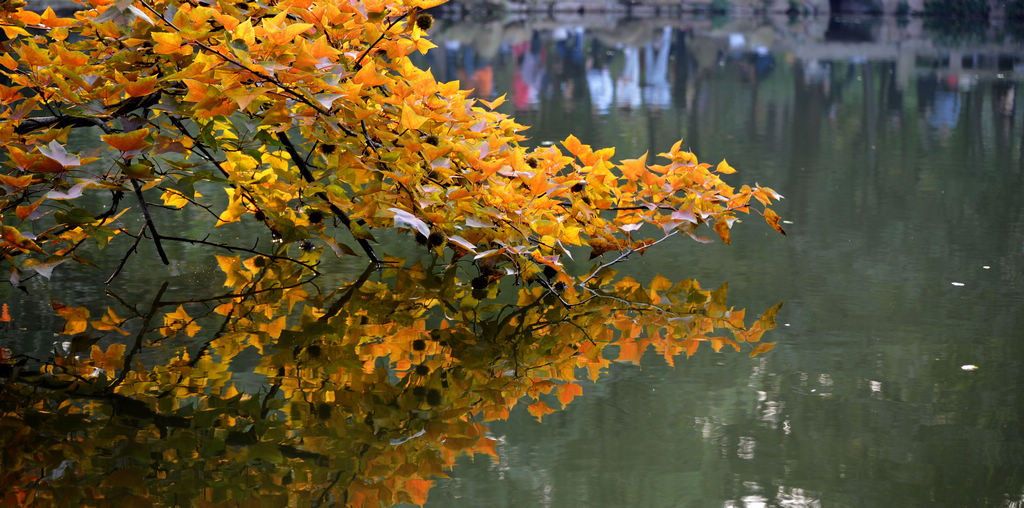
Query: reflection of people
569	66
599	79
529	74
657	92
627	87
946	106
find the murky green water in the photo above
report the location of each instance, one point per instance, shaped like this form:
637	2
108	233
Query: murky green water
901	160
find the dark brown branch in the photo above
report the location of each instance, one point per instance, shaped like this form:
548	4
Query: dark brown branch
149	222
307	175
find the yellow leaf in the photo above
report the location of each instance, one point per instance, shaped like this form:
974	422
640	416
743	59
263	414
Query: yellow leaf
410	119
725	168
76	319
174	199
177	321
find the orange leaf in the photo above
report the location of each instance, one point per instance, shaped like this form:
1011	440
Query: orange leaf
5	315
567	392
539	409
629	351
772	219
129	142
722	228
418	489
574	146
368	75
110	360
25	211
763	347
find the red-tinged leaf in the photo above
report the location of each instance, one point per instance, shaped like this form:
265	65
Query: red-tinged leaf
129	142
763	347
539	409
5	315
567	392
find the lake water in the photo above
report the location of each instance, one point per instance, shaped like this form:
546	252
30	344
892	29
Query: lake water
898	378
898	374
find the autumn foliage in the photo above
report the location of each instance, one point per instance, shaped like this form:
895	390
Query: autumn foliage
307	120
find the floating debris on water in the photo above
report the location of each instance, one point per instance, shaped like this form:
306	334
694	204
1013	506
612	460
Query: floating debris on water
986	267
969	367
957	284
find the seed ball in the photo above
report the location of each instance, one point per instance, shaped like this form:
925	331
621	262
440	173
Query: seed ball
306	245
479	282
578	187
424	21
260	216
260	262
328	149
530	161
560	286
435	239
549	271
314	351
432	139
314	216
419	345
422	370
433	397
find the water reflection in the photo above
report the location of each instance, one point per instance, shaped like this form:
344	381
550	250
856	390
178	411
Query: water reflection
280	392
901	157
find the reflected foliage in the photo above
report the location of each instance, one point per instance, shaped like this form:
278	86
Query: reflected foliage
366	392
